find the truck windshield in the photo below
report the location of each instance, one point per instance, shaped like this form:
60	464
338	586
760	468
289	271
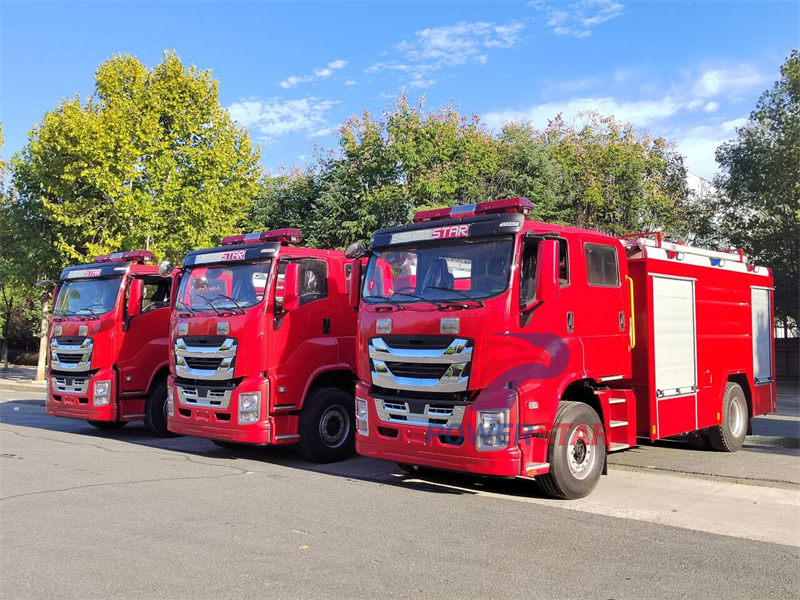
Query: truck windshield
87	297
224	287
437	272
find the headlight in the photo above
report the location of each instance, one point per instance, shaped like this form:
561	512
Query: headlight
102	392
492	430
362	416
170	402
249	405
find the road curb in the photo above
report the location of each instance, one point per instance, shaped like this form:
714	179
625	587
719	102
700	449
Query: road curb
23	387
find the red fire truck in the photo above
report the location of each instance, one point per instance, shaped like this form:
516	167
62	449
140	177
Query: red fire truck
108	359
263	346
500	346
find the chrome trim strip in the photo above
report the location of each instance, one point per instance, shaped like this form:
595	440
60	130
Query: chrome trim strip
84	350
225	351
398	412
413	384
188	396
456	352
79	385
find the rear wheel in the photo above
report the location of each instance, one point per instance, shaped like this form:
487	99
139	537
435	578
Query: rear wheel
577	452
108	424
729	435
326	425
155	410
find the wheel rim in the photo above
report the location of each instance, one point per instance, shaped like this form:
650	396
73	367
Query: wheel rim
334	426
581	453
736	416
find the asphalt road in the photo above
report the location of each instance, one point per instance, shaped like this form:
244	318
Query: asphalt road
92	514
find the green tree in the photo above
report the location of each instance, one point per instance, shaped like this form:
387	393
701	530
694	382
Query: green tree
613	178
151	160
761	180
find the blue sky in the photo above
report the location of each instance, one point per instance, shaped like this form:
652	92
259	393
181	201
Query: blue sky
293	71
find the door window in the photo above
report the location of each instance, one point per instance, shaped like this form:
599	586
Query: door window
313	280
602	268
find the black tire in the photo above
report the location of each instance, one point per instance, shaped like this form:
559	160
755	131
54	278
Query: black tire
699	440
327	428
155	410
574	474
108	425
729	435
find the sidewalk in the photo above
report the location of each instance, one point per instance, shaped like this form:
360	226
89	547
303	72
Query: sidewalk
19	378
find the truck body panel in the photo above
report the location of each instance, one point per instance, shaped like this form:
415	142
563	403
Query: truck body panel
278	354
86	346
647	335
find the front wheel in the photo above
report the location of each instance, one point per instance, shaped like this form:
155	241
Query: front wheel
155	410
577	452
327	433
729	435
108	425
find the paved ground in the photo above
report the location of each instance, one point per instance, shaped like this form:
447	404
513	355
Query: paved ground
90	514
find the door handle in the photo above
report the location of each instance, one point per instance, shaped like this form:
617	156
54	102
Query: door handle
326	325
570	322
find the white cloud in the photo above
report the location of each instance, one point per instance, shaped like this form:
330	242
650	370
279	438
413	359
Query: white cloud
350	82
436	48
640	112
727	81
319	73
711	107
276	117
699	146
734	124
579	18
294	80
421	83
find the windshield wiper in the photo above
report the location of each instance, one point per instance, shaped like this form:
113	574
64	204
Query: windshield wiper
210	303
439	305
394	303
459	292
239	306
87	309
183	304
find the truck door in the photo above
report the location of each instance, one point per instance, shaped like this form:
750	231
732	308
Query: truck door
304	340
144	343
602	320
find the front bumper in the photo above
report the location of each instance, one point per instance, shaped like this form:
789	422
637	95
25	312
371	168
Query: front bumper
79	405
201	420
423	446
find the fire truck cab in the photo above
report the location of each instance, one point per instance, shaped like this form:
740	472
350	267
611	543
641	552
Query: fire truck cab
500	346
262	345
107	340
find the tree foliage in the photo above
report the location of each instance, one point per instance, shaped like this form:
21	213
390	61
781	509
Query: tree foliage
151	160
603	175
761	181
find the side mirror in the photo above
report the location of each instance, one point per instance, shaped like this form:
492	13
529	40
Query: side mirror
134	306
355	250
355	284
165	268
291	287
547	284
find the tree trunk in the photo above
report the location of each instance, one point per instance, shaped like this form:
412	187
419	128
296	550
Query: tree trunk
40	370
